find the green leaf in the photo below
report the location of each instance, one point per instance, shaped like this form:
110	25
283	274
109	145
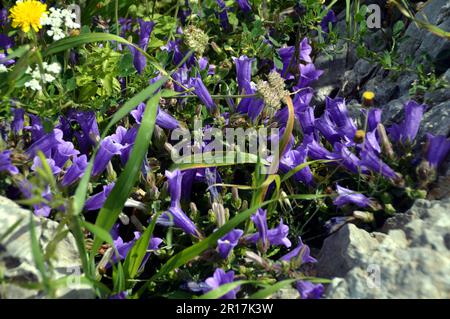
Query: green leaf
119	194
266	292
37	253
136	255
99	232
224	289
399	26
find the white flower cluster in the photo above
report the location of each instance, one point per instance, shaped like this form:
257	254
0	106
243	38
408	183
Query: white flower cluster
51	70
3	68
59	21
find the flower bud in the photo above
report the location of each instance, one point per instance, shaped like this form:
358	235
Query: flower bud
368	98
359	136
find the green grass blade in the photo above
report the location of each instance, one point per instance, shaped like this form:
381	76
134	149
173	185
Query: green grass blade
99	232
136	255
266	292
38	255
224	289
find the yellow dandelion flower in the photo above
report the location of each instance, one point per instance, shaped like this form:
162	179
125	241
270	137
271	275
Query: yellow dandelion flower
27	14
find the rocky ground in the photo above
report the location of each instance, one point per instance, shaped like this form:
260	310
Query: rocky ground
16	258
409	257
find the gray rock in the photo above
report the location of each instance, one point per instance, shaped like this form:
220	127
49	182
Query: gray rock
342	250
16	259
410	259
436	120
393	109
286	293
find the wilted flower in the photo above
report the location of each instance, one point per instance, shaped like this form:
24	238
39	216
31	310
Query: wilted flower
220	278
368	98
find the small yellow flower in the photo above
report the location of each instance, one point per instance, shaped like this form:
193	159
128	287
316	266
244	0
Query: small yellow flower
27	14
368	97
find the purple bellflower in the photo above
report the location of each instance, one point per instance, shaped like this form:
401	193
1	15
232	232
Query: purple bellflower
51	163
226	244
108	148
437	149
301	252
202	92
18	120
308	74
308	290
75	171
330	17
292	159
339	113
407	130
223	15
180	219
96	201
6	164
244	5
347	196
370	160
220	278
266	237
140	61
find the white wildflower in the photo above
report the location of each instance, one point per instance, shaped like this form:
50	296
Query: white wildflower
59	21
3	68
34	85
54	68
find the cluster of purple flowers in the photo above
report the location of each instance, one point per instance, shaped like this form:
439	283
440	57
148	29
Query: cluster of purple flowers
68	147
